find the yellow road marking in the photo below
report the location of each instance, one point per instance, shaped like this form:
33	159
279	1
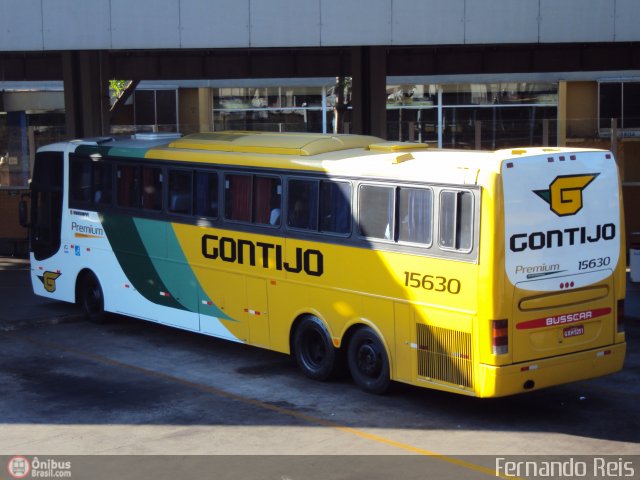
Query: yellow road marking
266	406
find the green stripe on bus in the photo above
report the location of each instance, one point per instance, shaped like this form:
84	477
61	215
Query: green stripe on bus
106	151
172	267
135	260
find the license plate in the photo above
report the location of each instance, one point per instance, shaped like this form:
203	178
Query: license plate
573	331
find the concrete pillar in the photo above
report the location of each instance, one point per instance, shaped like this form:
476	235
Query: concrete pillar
369	90
562	113
86	93
17	154
205	109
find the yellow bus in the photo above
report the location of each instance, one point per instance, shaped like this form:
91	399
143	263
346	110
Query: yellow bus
480	273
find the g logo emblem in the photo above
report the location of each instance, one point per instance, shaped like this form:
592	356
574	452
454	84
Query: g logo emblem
564	195
49	281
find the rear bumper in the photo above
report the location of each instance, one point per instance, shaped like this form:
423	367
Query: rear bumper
494	381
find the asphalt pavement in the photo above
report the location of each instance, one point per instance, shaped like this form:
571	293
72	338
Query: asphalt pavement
20	308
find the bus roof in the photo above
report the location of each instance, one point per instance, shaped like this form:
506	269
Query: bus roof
354	155
301	144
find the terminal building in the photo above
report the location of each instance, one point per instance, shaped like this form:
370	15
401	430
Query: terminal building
466	74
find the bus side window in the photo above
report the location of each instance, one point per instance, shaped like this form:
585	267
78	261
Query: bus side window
151	188
90	181
302	211
238	198
101	191
180	195
253	198
415	209
376	211
456	220
335	207
127	186
80	181
206	194
266	200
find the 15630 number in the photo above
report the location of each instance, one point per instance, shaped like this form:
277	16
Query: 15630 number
432	282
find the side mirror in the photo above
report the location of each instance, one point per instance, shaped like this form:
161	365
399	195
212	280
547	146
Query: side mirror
23	210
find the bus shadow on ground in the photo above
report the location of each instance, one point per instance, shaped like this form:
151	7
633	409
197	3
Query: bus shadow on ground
173	387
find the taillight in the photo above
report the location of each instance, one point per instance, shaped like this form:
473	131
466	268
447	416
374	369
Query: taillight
499	337
620	317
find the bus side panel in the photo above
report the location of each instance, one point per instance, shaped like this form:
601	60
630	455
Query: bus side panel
222	303
494	293
444	348
258	312
405	339
221	288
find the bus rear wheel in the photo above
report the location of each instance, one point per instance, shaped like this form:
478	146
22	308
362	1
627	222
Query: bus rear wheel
313	349
91	298
368	361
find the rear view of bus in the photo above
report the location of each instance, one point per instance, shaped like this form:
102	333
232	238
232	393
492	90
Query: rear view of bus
565	269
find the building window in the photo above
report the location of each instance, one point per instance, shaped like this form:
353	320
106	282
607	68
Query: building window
497	115
156	110
274	108
619	100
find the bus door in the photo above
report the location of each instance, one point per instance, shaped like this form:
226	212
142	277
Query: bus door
562	242
46	204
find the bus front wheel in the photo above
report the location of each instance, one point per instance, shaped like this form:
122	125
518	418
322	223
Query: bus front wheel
368	361
313	349
92	298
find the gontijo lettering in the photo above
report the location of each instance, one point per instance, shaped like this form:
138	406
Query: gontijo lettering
520	242
244	252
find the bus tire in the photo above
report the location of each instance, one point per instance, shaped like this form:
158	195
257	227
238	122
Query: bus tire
91	298
313	349
368	361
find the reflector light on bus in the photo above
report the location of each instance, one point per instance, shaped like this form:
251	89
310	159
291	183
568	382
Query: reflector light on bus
500	337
